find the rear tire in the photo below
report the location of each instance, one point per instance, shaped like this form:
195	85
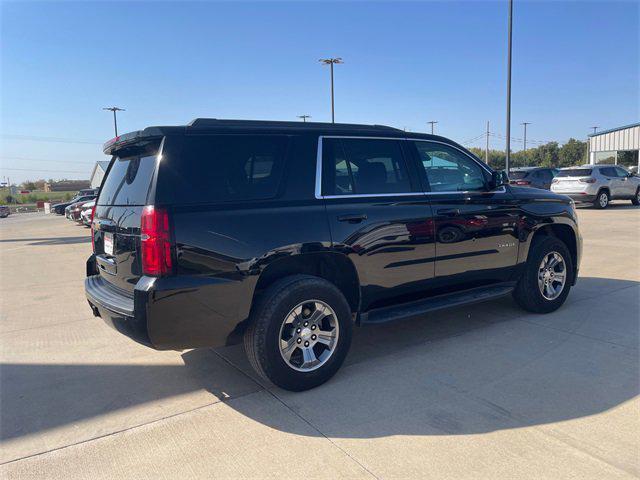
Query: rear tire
636	200
602	200
530	293
285	315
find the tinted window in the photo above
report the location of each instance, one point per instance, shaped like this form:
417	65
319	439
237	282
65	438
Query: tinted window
219	168
575	172
546	175
621	172
517	174
363	166
128	181
608	172
448	169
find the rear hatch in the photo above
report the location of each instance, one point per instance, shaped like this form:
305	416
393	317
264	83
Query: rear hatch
127	188
572	179
519	177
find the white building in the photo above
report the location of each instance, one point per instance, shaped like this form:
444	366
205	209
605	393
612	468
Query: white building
619	146
98	172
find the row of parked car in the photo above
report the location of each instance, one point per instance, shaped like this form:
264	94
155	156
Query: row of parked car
594	184
79	208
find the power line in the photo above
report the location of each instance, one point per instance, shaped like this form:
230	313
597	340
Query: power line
49	139
28	159
471	140
41	170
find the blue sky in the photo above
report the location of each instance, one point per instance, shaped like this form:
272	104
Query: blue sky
576	64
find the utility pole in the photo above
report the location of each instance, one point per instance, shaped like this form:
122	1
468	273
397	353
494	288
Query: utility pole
331	62
115	119
525	134
304	117
432	123
486	148
508	146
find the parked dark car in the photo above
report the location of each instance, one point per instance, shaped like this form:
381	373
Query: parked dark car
536	177
4	211
59	208
286	235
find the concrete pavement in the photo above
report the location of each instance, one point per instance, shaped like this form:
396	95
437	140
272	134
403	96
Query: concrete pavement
487	391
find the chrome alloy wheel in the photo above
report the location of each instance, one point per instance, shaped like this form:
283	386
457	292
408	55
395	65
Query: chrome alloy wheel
552	275
309	335
603	199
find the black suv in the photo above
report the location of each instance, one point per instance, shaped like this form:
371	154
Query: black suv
287	234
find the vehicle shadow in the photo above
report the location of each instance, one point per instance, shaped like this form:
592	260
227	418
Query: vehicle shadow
49	240
469	370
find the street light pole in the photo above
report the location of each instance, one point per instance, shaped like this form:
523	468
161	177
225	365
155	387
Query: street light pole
486	148
304	117
115	119
525	134
432	123
508	146
595	129
331	62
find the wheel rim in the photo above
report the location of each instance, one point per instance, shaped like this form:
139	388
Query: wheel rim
308	335
552	275
604	199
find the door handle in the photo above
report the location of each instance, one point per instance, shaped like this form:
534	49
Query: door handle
449	212
352	217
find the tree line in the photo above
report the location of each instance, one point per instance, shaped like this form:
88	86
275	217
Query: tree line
573	152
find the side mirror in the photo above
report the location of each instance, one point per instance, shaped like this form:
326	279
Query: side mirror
498	179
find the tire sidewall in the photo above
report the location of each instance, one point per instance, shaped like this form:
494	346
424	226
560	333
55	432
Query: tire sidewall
600	194
276	368
546	246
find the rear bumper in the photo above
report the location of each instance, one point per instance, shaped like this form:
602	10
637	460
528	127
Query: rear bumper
170	313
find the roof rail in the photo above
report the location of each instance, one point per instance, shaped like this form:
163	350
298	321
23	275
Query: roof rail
215	122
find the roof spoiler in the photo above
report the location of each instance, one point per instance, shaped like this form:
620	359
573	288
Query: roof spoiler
132	138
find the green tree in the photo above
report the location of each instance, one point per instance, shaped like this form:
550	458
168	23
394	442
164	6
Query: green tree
574	152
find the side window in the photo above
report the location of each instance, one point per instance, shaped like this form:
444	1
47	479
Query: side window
622	173
448	169
547	176
363	166
221	168
608	172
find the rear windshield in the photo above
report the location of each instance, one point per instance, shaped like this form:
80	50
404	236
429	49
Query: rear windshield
128	181
220	168
575	172
517	175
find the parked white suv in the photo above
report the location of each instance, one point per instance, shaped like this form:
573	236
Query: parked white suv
597	184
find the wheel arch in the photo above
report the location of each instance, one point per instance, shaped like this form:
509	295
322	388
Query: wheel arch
566	234
336	268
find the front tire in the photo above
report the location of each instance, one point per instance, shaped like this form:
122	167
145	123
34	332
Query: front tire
602	200
547	277
636	200
299	333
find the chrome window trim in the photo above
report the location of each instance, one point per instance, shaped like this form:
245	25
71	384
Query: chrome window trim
318	183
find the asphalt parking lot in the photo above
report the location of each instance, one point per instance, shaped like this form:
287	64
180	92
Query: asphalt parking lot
487	391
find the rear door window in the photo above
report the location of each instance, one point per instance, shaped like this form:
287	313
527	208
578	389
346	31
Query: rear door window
364	166
220	168
129	181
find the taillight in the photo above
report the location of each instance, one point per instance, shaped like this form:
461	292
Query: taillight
587	180
156	241
522	182
93	243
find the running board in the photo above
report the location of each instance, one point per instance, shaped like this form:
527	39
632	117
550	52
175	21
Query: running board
420	307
